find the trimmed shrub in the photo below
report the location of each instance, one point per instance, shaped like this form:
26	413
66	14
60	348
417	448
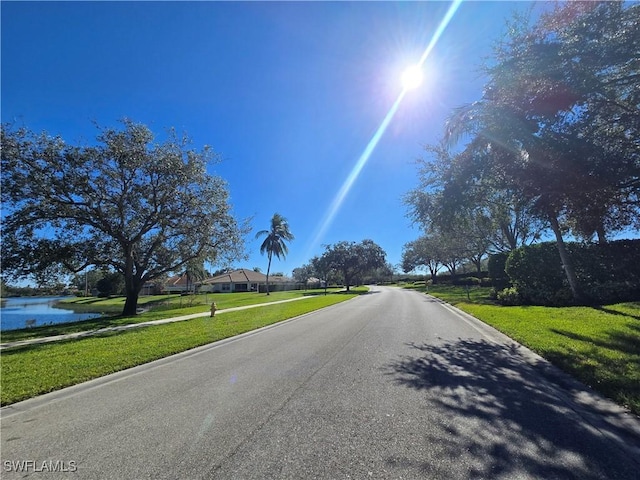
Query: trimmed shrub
537	274
508	296
443	278
497	274
610	273
468	281
105	287
607	273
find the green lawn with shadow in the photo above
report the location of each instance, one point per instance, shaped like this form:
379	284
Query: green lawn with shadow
156	307
600	346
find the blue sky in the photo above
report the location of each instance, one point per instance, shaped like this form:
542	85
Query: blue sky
290	94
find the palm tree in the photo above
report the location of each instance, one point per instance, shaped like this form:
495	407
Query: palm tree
195	272
274	243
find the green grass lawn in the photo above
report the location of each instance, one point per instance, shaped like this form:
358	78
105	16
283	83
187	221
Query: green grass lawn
170	302
159	307
600	346
37	369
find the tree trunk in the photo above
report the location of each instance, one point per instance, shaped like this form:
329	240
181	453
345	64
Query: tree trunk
452	269
131	302
567	264
478	264
132	288
602	236
268	269
434	274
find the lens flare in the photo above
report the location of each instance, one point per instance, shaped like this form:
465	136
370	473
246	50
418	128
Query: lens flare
412	77
366	154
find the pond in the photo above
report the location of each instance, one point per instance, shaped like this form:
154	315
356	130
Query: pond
25	312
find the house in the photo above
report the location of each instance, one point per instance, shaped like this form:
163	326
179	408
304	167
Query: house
241	280
177	284
244	280
150	288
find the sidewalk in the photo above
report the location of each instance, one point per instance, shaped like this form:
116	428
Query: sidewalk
76	335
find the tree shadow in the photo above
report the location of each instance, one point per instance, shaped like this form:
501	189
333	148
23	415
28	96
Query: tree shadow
35	347
502	415
355	291
609	367
627	343
88	300
615	312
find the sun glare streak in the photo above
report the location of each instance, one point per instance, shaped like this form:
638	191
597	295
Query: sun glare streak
440	30
355	172
366	154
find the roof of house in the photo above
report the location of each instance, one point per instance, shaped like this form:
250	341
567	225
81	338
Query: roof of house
176	280
245	276
238	276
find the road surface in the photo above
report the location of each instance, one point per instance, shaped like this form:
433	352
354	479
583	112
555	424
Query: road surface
390	385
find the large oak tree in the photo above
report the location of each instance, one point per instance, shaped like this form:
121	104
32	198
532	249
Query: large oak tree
129	203
353	259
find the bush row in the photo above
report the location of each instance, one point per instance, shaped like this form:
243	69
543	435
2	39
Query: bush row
606	273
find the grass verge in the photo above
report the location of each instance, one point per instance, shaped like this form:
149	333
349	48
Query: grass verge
600	346
157	307
33	370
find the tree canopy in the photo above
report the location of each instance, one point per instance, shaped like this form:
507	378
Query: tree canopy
140	207
353	259
557	129
560	117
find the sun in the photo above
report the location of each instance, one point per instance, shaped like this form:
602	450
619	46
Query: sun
412	77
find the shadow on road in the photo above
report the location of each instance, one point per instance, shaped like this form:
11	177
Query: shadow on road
498	417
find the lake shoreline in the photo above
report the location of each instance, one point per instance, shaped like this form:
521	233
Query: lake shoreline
27	312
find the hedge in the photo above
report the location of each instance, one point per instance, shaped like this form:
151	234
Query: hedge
606	273
496	266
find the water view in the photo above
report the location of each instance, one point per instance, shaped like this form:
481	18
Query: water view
27	312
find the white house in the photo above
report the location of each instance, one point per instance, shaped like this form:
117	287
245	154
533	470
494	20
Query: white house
237	281
244	280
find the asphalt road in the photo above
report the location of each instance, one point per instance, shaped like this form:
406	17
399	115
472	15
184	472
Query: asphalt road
389	385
